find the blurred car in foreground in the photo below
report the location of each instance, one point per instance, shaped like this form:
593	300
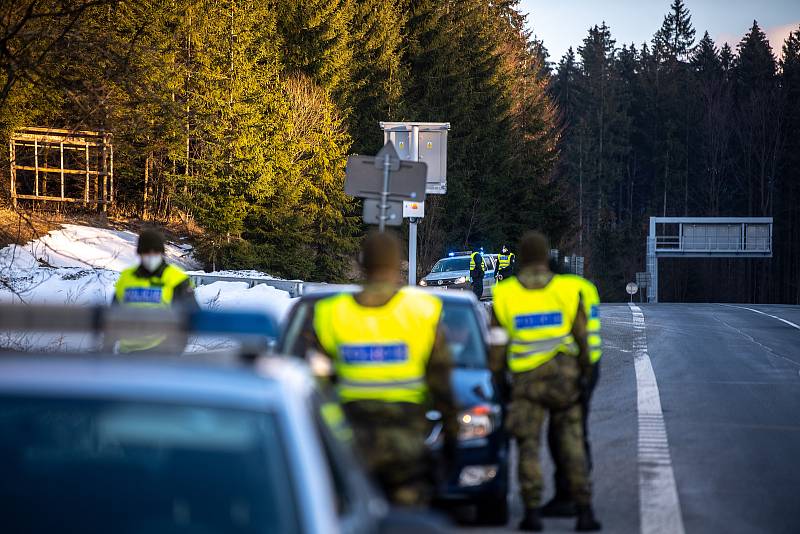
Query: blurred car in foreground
222	443
480	476
453	272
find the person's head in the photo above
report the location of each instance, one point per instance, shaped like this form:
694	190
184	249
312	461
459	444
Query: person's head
504	249
150	249
380	257
533	250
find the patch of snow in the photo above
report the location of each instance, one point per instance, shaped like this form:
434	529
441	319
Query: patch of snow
86	246
239	296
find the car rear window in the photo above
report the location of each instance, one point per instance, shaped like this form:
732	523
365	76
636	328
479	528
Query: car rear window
464	335
99	466
451	264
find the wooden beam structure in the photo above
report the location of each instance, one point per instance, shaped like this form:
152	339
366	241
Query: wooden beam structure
94	148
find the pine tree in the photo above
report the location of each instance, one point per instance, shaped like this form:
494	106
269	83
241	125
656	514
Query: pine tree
727	58
564	86
379	76
675	40
706	60
787	204
756	65
316	40
237	126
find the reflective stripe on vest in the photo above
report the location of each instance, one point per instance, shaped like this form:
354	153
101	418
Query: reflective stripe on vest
504	260
155	292
538	321
591	305
380	353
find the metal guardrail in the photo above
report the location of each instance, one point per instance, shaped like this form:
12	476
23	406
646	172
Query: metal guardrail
295	288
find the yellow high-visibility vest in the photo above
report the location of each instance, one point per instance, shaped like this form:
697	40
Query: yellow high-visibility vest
504	260
154	292
538	321
380	353
472	263
591	306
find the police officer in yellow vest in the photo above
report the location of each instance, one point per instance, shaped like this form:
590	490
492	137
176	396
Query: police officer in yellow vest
476	273
562	505
506	262
391	365
547	356
153	284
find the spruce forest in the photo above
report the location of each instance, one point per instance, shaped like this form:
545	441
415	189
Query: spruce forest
239	114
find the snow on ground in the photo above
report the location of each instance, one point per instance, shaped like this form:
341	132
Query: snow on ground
86	247
79	265
238	295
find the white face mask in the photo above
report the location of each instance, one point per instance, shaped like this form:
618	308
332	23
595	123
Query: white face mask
151	262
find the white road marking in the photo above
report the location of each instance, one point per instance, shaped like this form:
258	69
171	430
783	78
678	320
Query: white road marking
659	507
790	323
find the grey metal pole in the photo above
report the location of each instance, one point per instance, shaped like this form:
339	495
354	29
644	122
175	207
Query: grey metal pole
412	222
384	193
412	251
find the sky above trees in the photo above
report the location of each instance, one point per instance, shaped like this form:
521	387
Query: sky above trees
564	23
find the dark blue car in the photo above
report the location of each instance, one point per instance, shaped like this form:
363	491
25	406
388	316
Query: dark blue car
480	477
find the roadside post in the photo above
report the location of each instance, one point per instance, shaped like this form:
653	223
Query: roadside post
384	182
420	142
632	289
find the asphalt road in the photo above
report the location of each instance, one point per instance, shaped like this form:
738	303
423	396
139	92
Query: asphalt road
729	383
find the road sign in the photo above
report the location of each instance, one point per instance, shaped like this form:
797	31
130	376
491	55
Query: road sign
632	288
364	180
394	160
372	212
414	210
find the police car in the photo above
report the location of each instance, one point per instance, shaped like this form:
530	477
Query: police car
453	272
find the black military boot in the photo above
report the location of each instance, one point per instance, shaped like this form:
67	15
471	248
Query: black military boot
559	506
586	520
532	522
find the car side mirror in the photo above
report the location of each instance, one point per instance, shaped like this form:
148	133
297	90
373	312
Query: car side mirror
498	337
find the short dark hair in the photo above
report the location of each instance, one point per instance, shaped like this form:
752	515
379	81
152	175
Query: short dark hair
150	240
380	251
533	248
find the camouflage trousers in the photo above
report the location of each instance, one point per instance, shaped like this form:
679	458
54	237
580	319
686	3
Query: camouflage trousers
552	387
390	440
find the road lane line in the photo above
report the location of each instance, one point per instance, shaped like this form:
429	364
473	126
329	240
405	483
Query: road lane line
790	323
659	508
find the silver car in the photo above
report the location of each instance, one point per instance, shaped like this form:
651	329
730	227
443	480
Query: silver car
452	272
204	443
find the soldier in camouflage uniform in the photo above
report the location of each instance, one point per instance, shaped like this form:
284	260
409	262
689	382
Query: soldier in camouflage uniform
546	325
391	366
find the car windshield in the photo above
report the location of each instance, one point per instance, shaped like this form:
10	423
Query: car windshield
464	335
448	265
100	466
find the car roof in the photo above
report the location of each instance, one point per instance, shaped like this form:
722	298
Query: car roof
449	296
446	296
262	385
